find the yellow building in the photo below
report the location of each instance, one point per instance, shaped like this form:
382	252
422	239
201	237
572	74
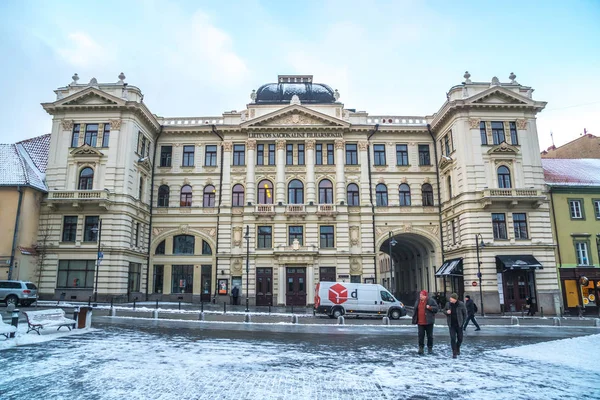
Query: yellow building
575	196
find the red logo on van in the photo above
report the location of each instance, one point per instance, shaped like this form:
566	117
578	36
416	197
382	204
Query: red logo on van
338	294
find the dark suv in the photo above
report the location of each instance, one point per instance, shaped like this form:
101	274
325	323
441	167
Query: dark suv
18	292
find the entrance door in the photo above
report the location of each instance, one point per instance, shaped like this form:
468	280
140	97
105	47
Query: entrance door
264	286
296	287
518	285
205	283
327	274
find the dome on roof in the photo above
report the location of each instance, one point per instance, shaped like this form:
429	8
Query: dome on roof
301	86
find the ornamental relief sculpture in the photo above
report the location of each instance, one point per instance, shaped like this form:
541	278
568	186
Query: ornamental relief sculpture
227	146
67	124
473	123
354	235
237	236
362	145
521	124
251	144
295	119
115	124
355	266
280	144
310	144
339	144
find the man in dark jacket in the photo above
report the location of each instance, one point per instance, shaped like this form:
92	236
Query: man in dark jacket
456	314
424	316
471	310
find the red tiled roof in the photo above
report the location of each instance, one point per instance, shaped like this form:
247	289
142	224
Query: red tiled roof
574	172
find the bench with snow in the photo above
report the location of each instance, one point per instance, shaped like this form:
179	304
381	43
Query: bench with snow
6	329
47	318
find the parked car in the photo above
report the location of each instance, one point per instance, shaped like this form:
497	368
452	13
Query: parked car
18	292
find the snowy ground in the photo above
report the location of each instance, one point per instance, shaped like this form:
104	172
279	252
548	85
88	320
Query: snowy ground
167	360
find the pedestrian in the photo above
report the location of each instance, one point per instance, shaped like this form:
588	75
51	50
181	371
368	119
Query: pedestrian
437	298
424	317
530	309
235	292
471	310
456	314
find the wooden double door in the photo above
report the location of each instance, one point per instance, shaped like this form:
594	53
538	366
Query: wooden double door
264	286
518	285
295	294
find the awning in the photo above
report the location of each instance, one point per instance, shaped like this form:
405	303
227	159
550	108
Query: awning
504	263
451	267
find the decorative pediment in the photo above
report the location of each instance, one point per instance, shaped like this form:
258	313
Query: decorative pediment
145	164
445	161
90	97
504	149
296	115
86	151
499	95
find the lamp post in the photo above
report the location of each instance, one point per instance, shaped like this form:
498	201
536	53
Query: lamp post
97	229
391	243
477	238
247	237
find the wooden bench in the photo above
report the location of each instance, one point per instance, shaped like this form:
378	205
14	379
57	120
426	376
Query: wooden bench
6	329
47	318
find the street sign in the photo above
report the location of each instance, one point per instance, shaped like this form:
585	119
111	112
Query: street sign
474	283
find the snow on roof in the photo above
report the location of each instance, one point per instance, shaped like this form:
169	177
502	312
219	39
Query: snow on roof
571	172
19	163
38	149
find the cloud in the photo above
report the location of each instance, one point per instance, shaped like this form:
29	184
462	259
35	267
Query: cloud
83	51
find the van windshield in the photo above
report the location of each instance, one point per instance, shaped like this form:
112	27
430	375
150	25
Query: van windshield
386	296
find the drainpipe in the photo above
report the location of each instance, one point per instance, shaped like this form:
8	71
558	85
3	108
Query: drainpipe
14	244
151	207
374	131
214	130
439	195
555	231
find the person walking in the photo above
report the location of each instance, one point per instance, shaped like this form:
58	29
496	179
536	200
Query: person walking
456	314
471	310
530	307
424	317
235	292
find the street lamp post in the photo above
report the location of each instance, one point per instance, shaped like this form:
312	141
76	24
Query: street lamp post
99	256
391	243
247	237
477	238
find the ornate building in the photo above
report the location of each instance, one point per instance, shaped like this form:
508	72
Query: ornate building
294	189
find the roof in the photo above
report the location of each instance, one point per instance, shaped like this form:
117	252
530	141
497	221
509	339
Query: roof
290	86
571	172
38	148
585	146
24	163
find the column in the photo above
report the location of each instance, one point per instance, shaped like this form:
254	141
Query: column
340	180
310	171
225	194
250	178
364	173
280	176
281	283
310	284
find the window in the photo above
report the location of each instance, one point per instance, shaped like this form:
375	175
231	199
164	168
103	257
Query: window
141	188
135	272
141	144
86	179
182	279
379	154
427	194
239	154
265	237
75	136
325	192
76	274
326	233
449	186
289	154
447	147
206	249
597	208
301	154
210	157
136	235
483	133
163	196
330	153
183	244
90	229
271	154
265	192
454	233
318	154
69	228
401	154
238	196
513	133
404	192
353	195
209	196
91	134
381	195
504	177
581	251
520	225
106	135
576	210
296	232
296	192
165	156
351	154
424	157
498	132
260	154
160	249
188	156
354	278
159	278
185	199
499	226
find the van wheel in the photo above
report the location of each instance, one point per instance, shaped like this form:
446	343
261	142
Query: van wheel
337	313
395	314
12	300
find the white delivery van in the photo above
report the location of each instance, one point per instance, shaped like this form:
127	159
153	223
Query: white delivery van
337	298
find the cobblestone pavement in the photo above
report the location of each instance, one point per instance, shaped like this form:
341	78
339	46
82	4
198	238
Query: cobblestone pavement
152	360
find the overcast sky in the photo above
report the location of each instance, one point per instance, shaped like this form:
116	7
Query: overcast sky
201	58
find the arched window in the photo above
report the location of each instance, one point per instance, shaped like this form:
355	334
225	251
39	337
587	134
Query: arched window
86	179
404	195
427	192
209	196
163	196
504	177
325	192
186	196
206	250
265	192
381	195
296	192
183	244
160	249
353	195
238	195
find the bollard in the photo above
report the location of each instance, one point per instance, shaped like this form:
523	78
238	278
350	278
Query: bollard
556	321
522	311
385	320
202	307
180	305
113	312
15	321
561	312
542	312
224	307
247	318
292	308
294	319
90	301
269	309
201	316
341	321
514	320
598	322
155	314
157	304
76	315
111	302
134	304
